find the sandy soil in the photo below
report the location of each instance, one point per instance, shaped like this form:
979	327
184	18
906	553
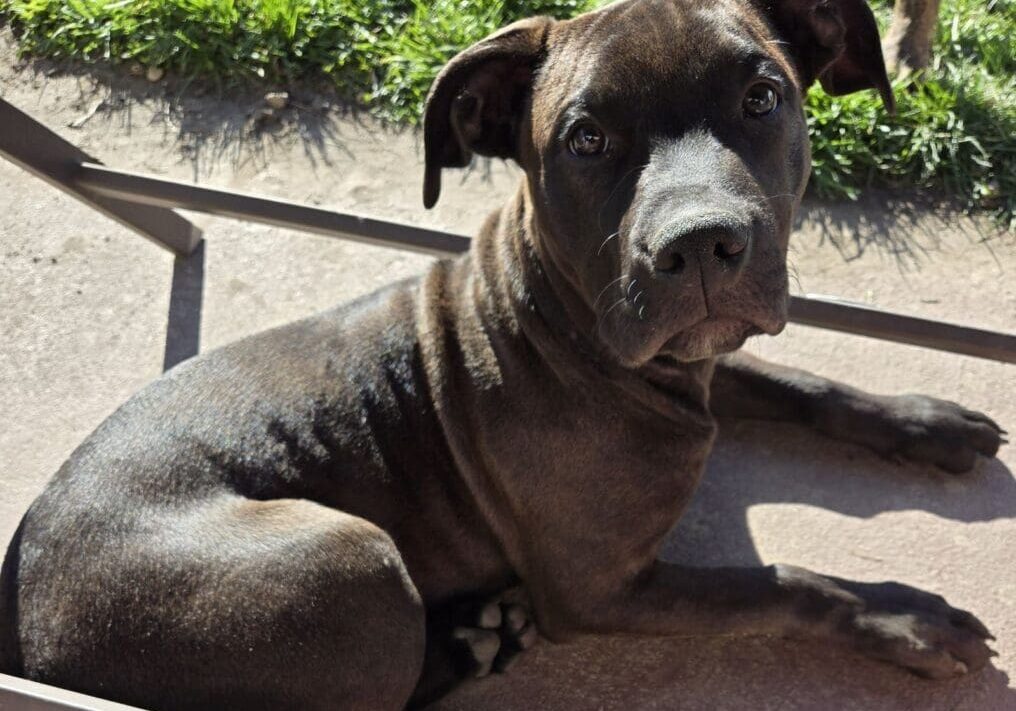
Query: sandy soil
84	310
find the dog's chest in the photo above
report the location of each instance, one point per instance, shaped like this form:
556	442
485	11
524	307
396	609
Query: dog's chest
580	467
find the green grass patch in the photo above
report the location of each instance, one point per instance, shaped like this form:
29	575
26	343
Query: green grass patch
953	134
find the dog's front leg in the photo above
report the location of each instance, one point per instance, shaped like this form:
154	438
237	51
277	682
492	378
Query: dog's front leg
886	621
916	427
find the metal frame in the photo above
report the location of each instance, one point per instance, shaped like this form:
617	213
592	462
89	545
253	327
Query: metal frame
846	317
146	205
30	145
23	695
162	193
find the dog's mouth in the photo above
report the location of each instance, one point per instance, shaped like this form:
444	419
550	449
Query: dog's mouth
710	337
665	343
665	322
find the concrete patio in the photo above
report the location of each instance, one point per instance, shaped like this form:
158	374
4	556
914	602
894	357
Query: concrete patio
89	313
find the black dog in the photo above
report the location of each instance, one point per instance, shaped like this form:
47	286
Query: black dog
297	520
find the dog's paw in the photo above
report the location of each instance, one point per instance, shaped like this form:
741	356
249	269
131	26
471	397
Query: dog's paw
915	629
940	432
892	622
489	637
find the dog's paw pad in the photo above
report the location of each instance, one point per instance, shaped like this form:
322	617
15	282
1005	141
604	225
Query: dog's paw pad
480	647
492	635
518	633
490	616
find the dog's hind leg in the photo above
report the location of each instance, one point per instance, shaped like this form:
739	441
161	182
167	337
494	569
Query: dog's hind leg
231	604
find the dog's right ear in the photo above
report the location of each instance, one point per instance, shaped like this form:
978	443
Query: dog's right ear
476	102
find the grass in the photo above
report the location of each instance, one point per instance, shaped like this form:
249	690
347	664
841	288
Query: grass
953	133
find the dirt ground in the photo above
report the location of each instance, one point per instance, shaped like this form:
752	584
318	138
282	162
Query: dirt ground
86	306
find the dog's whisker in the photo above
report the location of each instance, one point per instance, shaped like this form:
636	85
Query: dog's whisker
604	244
618	303
635	301
631	285
601	317
794	276
604	291
779	195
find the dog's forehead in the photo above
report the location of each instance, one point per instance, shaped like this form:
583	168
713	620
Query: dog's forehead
634	51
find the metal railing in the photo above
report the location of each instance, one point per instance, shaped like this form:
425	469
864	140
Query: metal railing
23	695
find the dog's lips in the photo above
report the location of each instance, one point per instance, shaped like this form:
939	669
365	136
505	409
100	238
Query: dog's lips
706	337
709	337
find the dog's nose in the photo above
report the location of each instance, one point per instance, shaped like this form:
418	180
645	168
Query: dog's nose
720	251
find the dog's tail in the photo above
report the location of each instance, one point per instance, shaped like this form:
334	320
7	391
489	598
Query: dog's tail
10	647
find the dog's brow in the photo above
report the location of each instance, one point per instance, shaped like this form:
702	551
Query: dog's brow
766	66
573	112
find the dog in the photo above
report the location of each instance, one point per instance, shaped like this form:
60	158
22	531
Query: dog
358	509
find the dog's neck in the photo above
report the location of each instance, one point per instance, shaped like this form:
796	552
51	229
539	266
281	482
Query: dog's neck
525	290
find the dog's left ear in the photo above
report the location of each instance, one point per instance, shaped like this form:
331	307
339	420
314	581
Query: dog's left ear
475	104
834	41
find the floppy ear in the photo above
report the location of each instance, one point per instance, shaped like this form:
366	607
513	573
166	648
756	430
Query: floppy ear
476	102
834	41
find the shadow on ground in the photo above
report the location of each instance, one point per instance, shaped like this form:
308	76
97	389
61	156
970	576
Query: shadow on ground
186	297
757	463
907	227
787	466
213	126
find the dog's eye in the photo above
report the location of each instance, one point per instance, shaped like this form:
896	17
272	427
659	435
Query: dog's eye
587	140
761	100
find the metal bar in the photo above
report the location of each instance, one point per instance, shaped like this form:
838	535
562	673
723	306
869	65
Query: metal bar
23	695
30	145
826	312
144	189
822	312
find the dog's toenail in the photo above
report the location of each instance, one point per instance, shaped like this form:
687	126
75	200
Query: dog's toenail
528	637
483	647
490	616
515	618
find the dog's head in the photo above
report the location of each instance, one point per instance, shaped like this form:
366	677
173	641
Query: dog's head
665	149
